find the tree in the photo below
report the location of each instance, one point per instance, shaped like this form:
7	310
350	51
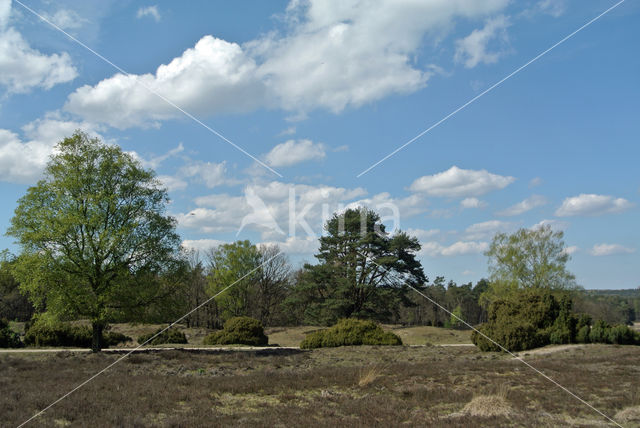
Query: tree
93	233
260	275
363	271
13	304
528	258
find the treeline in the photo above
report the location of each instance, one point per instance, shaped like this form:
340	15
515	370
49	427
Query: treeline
266	287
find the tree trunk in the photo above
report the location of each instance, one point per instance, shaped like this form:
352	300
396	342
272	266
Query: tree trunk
96	341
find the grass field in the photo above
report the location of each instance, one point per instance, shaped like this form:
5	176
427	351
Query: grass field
351	386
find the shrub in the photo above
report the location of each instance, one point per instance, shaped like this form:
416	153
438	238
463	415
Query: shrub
621	335
349	332
54	333
583	334
171	335
599	332
8	338
239	331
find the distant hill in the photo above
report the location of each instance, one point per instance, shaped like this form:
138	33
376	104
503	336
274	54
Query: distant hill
630	292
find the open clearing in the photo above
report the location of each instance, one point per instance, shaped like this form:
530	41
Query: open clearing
352	386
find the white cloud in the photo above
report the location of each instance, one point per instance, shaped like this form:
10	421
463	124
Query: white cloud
534	182
155	161
211	174
66	19
524	206
201	244
555	8
151	11
473	49
554	224
23	161
212	77
268	209
472	203
23	67
487	229
293	152
333	55
423	234
610	249
457	182
592	205
172	183
571	250
460	248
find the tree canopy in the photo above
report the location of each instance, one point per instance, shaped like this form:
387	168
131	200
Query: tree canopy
93	234
362	270
529	258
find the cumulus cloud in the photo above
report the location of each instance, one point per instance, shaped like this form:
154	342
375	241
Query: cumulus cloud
172	183
524	206
472	203
293	152
333	55
23	160
457	182
487	229
150	11
610	249
24	68
201	244
592	205
460	248
571	250
275	209
214	76
210	173
473	49
66	19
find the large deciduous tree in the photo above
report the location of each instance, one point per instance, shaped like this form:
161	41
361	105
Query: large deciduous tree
93	233
528	258
363	271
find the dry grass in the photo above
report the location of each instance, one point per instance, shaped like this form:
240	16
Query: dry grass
422	386
629	414
427	335
368	375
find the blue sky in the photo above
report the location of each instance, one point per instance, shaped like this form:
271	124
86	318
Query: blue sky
320	91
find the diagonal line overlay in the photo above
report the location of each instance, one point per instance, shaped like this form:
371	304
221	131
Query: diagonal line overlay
154	92
147	341
489	89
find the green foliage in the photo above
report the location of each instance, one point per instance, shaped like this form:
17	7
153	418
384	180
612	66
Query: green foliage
599	332
47	332
350	332
239	331
527	319
527	259
13	304
621	335
93	234
8	338
171	335
362	271
582	336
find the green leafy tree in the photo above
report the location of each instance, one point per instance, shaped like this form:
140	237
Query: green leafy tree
363	271
528	258
94	236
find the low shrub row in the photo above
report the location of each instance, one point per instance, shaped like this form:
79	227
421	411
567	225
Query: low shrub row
49	333
170	335
536	317
239	331
8	338
350	332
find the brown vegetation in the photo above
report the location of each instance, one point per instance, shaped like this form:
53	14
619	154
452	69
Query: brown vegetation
349	386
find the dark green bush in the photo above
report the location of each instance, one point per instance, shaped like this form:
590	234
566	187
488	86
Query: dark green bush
583	334
599	332
8	338
239	331
621	335
349	332
171	335
42	333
